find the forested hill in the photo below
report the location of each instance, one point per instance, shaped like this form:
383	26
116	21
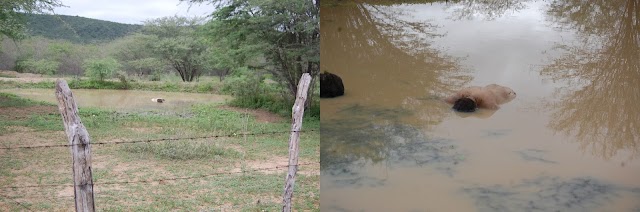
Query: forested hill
84	30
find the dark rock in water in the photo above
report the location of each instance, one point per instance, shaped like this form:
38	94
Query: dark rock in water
330	85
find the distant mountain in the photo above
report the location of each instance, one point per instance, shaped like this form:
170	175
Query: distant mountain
77	29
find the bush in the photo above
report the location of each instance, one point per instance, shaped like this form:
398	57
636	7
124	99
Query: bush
122	76
43	66
205	88
100	69
253	92
22	64
156	76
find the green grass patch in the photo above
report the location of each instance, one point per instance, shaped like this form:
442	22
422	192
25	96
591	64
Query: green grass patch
12	100
6	75
248	191
13	84
181	150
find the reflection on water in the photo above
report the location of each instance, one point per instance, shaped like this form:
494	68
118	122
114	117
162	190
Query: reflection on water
370	46
600	101
391	144
486	9
376	135
547	194
124	99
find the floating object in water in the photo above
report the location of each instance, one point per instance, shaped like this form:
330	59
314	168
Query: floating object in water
158	100
488	97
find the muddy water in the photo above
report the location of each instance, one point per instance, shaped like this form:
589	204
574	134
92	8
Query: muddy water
570	141
124	100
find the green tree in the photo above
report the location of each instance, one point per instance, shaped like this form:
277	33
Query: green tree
69	55
12	17
100	69
136	56
285	33
177	43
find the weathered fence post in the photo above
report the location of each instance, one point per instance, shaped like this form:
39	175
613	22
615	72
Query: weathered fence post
297	114
80	147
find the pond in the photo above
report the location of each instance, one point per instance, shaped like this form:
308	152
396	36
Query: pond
124	100
570	140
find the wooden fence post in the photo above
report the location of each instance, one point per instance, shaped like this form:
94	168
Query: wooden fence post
297	114
80	147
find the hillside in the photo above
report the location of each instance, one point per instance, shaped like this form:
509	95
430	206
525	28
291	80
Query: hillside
85	30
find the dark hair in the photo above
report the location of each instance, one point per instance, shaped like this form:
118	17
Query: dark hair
465	104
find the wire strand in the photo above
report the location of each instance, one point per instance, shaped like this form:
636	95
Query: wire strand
158	140
162	179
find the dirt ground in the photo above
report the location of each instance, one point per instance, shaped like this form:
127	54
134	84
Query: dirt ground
24	77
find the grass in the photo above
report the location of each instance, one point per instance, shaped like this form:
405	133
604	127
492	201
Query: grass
12	100
195	158
6	75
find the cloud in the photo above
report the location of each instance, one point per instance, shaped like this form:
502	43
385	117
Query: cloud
131	12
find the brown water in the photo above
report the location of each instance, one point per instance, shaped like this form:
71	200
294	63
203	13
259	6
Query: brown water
124	100
570	141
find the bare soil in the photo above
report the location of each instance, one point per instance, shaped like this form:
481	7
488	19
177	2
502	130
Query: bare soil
13	113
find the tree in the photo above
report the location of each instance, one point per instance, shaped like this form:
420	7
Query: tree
134	53
285	33
70	56
177	43
12	18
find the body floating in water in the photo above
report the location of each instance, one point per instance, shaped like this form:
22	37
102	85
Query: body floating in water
488	97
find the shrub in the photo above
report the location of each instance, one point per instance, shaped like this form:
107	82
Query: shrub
122	76
100	69
43	66
156	76
252	92
205	87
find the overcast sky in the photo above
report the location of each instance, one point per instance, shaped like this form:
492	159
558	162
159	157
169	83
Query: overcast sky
131	12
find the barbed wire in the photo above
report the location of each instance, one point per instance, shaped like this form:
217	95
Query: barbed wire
162	179
159	139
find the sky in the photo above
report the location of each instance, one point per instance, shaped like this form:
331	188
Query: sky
131	12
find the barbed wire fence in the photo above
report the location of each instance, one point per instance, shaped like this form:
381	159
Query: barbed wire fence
77	144
231	135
